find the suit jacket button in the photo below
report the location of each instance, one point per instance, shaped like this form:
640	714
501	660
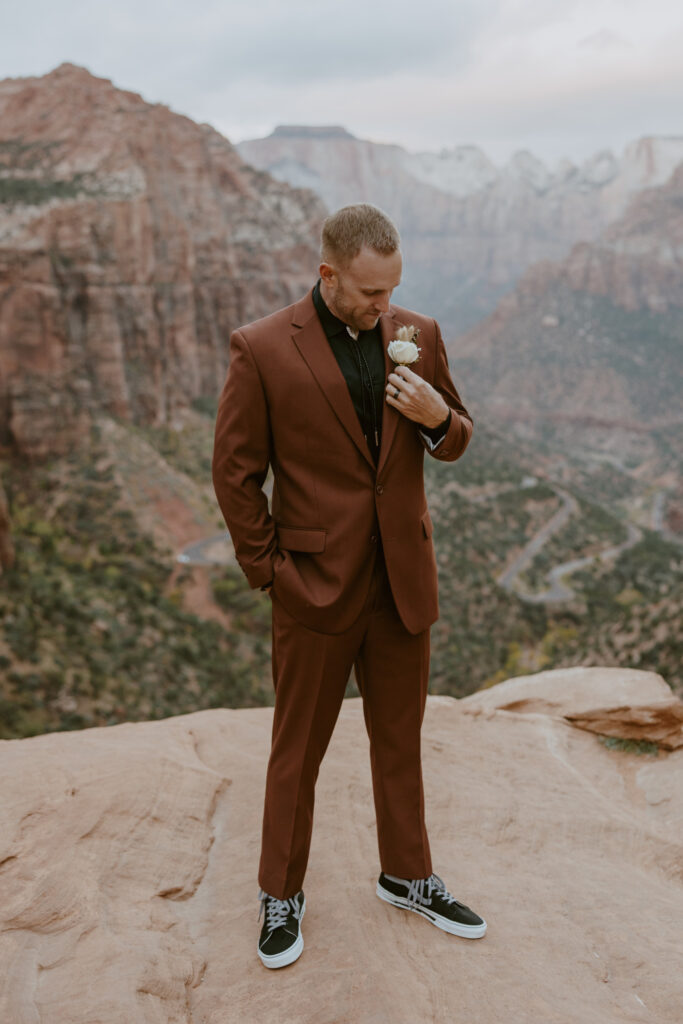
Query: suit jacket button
373	539
379	489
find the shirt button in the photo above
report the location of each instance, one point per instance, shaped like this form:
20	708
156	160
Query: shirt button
379	489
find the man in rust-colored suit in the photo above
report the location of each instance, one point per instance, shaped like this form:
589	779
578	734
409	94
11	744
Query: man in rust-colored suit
345	551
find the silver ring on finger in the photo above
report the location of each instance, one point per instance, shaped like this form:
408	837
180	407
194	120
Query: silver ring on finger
396	393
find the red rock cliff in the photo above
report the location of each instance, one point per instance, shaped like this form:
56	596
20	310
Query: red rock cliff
587	351
132	241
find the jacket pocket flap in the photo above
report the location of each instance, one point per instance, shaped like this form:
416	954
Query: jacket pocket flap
300	538
427	524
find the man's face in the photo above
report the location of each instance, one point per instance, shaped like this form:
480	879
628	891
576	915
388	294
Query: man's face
359	293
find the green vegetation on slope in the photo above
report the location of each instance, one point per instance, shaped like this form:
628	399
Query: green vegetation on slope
625	613
34	191
588	533
633	611
90	633
93	631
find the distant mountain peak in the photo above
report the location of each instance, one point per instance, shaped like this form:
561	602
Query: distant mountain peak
68	66
78	72
314	131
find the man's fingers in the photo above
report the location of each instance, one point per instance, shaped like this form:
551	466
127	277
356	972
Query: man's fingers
416	399
396	382
395	385
407	373
403	375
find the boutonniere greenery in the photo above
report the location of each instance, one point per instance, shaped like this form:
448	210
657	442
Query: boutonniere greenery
403	350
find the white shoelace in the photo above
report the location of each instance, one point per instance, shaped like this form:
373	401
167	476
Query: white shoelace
417	886
277	911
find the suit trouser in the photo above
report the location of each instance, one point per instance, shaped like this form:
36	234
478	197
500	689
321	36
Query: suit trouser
310	673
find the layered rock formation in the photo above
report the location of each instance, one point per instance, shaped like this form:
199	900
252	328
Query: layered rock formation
588	350
132	241
636	261
470	228
128	858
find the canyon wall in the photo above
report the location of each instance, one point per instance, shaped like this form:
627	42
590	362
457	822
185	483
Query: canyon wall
132	241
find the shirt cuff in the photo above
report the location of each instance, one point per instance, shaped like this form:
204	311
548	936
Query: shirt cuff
433	436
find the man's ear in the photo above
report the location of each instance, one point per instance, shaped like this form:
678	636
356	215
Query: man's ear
327	273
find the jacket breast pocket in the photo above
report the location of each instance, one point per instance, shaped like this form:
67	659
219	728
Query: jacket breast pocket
301	538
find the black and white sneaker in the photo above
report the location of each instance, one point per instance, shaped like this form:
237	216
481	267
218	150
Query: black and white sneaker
431	898
281	941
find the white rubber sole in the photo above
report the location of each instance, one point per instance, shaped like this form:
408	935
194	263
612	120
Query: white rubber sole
465	931
289	955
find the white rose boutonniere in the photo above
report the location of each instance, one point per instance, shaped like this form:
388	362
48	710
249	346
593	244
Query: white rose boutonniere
402	349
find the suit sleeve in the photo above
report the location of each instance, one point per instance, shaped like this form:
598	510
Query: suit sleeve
241	456
459	431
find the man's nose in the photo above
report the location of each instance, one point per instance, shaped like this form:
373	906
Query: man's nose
382	301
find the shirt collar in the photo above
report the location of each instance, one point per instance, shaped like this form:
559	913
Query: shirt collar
331	324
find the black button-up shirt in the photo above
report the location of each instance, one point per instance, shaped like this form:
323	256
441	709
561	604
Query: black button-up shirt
362	363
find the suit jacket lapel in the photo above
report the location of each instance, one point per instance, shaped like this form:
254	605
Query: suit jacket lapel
309	337
390	417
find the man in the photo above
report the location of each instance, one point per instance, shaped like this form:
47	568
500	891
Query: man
345	552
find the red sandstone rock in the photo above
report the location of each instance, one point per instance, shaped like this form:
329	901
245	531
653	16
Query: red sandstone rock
660	723
132	243
587	351
620	702
636	262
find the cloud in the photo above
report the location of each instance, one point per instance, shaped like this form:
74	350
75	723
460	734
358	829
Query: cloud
604	39
306	42
210	43
504	74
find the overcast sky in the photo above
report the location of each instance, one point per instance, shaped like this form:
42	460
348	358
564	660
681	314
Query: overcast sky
558	77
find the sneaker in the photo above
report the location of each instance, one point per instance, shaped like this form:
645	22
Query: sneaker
431	898
281	941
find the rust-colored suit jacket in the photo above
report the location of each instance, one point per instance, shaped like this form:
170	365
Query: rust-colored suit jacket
285	404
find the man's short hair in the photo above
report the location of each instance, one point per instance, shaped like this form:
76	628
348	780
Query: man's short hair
352	228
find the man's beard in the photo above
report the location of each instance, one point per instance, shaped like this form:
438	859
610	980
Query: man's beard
345	313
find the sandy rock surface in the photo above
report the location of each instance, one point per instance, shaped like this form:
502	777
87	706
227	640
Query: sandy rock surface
623	703
128	856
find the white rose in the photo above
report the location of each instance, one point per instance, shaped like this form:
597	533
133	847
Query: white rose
403	352
403	349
